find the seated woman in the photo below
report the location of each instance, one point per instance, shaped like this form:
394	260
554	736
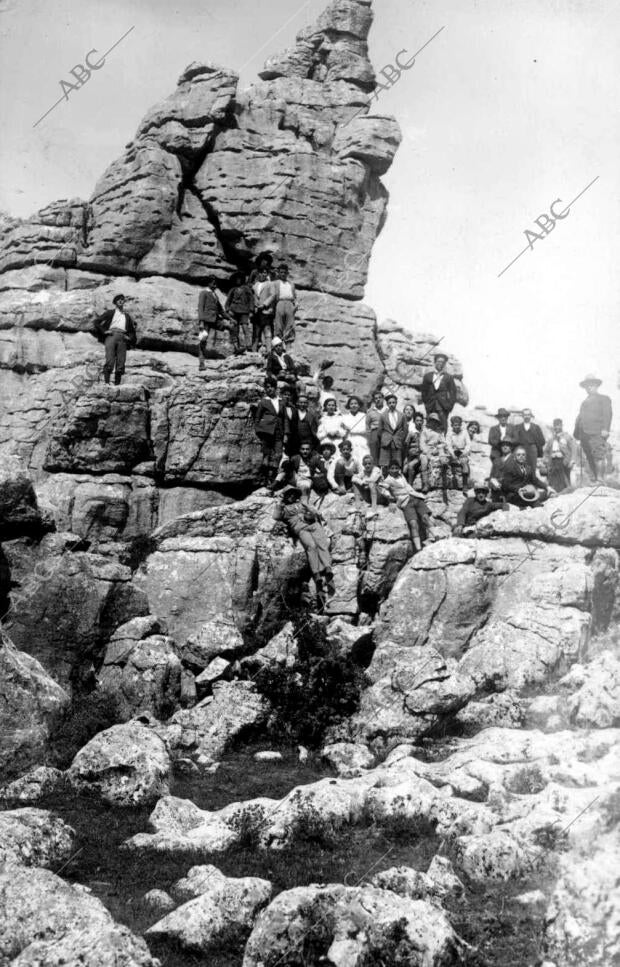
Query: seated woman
345	467
330	425
520	484
354	427
305	523
365	485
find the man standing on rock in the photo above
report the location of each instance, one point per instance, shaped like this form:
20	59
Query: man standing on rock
117	329
210	312
593	425
439	390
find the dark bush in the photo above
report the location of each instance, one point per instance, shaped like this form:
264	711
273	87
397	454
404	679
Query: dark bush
319	691
87	716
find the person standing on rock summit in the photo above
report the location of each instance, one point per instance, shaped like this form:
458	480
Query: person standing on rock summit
439	390
593	425
117	329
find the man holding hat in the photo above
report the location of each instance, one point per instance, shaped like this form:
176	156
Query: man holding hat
117	329
520	484
439	390
593	425
474	509
392	433
305	523
500	432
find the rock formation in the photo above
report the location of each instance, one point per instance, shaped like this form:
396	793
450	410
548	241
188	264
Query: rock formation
156	617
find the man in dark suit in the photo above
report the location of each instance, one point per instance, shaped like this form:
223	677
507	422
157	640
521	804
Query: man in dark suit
117	329
439	390
392	433
499	433
530	436
269	428
307	423
520	484
593	425
290	422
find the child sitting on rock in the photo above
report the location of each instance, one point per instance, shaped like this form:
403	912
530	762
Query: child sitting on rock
459	447
365	485
345	467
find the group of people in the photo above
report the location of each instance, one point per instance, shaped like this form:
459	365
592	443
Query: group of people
379	453
259	308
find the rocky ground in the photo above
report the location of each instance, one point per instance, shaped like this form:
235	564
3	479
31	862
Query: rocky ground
197	766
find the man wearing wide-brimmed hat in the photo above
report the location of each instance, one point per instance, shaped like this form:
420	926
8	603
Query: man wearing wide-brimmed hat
474	508
593	425
439	390
502	431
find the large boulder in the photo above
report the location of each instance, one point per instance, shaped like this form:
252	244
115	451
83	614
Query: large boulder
31	705
19	513
126	765
34	837
142	669
46	922
217	909
352	926
67	602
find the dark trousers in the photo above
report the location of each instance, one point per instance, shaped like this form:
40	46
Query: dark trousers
374	445
559	474
241	331
115	354
389	452
271	446
262	328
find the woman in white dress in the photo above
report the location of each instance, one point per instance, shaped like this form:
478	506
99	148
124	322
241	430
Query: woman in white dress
354	428
330	425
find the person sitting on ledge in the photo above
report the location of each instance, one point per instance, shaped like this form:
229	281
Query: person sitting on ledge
346	467
520	484
474	509
365	485
281	366
117	329
459	446
412	504
324	482
305	523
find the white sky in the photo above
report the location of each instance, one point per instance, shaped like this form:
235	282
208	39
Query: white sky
512	106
